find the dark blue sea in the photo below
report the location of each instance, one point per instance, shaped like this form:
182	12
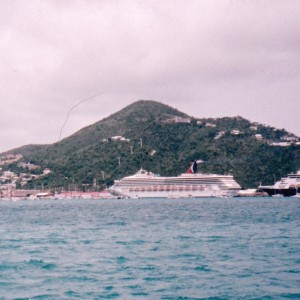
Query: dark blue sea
240	248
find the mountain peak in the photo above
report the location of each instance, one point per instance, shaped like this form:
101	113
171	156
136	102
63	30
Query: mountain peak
146	109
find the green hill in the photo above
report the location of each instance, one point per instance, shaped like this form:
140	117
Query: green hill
163	140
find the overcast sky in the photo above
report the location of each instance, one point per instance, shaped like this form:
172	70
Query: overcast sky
206	58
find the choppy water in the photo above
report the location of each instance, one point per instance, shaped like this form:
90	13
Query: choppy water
150	249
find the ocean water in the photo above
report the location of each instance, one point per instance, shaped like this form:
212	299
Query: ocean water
240	248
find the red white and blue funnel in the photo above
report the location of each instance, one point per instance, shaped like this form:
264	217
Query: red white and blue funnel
194	166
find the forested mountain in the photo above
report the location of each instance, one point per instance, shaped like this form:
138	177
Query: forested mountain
164	140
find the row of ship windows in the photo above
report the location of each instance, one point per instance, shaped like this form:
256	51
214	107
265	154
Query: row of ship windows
171	188
128	183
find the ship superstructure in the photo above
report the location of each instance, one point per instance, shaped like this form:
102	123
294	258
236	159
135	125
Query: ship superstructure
286	186
145	184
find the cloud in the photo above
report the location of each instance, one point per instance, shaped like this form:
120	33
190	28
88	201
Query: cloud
207	58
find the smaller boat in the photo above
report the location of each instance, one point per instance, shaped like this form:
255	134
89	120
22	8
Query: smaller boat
286	186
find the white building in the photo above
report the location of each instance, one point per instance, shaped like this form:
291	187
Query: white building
235	132
120	138
281	144
182	120
254	128
46	171
219	135
210	125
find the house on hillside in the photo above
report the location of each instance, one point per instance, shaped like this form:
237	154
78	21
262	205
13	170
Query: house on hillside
235	132
182	120
219	135
210	125
119	138
281	144
46	171
288	138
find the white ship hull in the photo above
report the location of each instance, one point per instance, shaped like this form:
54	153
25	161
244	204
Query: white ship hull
172	194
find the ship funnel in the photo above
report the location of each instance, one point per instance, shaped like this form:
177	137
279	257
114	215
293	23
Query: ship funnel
194	166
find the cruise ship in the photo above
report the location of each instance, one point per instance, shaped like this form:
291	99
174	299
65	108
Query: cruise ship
191	184
286	186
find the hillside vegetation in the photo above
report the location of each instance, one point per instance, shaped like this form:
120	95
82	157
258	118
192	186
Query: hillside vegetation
160	139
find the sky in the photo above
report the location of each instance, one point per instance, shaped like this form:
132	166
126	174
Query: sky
207	58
